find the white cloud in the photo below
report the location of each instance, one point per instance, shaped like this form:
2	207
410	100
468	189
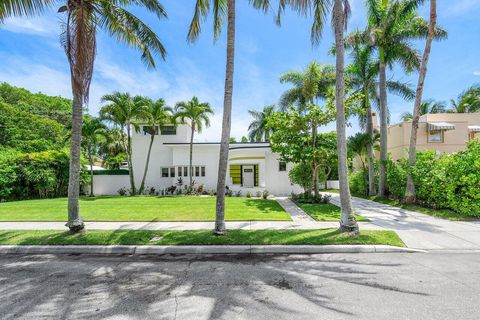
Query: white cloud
476	73
36	26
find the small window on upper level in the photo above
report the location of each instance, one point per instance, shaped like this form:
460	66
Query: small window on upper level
149	130
435	136
168	130
282	166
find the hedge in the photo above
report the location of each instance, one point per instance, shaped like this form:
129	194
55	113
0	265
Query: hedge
111	172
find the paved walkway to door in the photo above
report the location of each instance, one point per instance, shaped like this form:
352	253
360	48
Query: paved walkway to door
418	230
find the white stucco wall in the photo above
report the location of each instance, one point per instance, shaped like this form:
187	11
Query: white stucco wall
109	185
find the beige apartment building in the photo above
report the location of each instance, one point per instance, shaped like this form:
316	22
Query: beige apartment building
441	132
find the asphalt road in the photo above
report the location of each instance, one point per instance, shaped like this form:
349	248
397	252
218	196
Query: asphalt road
330	286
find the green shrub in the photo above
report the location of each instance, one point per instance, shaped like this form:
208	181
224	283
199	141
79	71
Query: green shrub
301	174
396	178
358	181
463	176
111	172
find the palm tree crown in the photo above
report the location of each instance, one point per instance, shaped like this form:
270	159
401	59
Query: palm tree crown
468	101
194	113
428	106
12	8
257	130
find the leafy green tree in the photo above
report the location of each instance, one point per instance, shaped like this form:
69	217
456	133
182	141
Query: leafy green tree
392	25
197	115
301	174
244	139
359	143
155	115
257	129
94	132
292	138
125	111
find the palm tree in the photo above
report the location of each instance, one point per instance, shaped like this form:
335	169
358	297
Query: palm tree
427	106
15	8
359	143
257	130
309	85
125	111
468	101
196	115
341	11
83	19
362	77
94	132
223	10
391	27
156	114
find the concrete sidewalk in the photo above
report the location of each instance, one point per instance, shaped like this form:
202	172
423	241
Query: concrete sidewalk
418	230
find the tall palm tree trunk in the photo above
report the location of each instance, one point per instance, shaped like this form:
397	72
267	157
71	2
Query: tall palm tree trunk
370	153
410	193
226	124
75	222
315	165
190	168
133	190
383	125
147	162
347	222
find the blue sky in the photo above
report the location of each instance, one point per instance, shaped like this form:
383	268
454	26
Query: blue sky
31	57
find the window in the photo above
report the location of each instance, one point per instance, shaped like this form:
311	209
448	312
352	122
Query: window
435	136
473	135
168	130
150	130
203	171
172	172
185	171
164	172
197	171
282	166
180	171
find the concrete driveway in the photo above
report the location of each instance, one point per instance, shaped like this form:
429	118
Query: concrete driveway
419	231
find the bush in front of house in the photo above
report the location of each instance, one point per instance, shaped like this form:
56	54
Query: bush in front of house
449	181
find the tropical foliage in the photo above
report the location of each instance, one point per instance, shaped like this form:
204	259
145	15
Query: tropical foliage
257	129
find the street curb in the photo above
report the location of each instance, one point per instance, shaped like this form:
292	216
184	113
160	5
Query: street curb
240	249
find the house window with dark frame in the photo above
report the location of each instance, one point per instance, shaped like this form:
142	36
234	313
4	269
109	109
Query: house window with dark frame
172	172
180	171
282	166
202	169
185	171
197	171
168	130
165	172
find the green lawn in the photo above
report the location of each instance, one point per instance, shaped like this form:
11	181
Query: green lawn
325	212
199	237
143	209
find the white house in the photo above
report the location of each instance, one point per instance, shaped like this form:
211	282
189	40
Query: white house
251	167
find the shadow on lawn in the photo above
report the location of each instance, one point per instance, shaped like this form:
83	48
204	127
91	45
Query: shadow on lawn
187	287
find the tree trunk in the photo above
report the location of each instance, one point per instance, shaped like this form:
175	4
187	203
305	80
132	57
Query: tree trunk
142	185
315	164
370	153
226	124
91	172
133	190
75	222
190	168
347	222
383	125
410	193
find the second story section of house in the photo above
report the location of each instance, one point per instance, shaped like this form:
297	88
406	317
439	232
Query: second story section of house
441	132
